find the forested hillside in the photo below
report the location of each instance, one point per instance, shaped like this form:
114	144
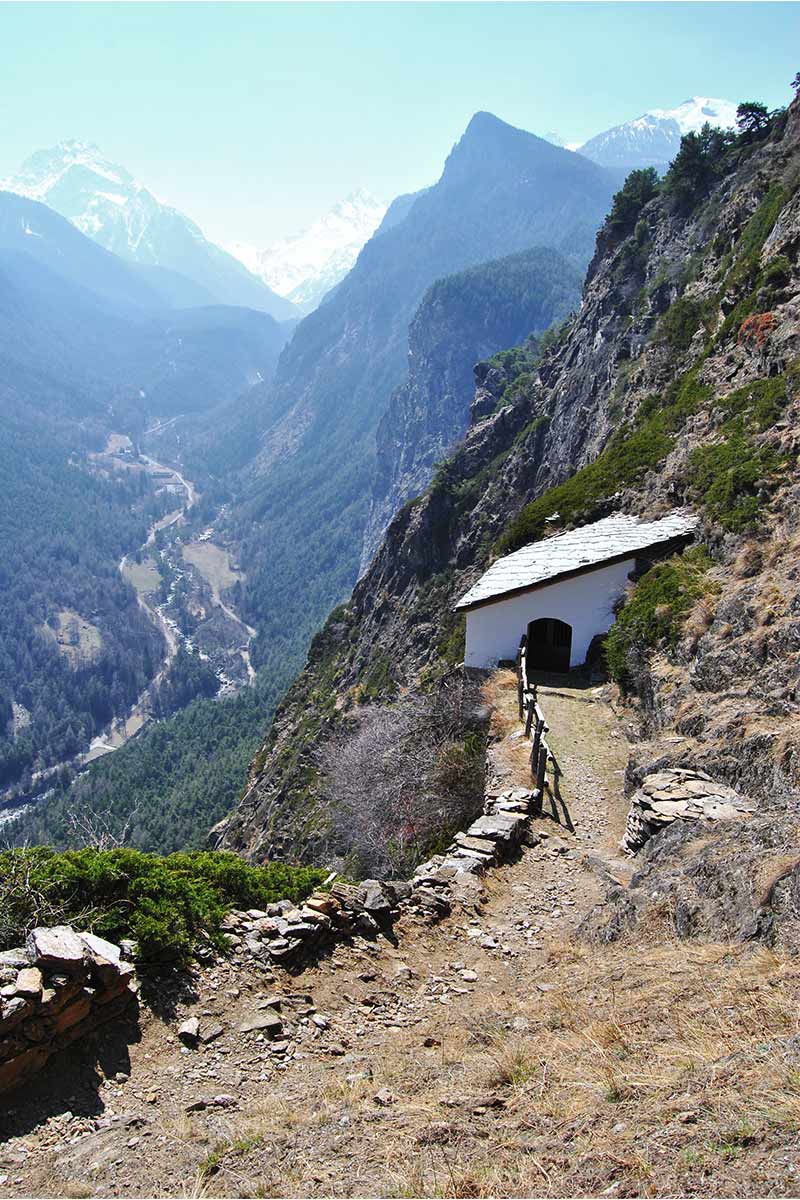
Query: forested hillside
62	532
461	319
86	351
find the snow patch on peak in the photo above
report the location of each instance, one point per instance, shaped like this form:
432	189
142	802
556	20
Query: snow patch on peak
653	139
46	169
106	203
698	111
305	266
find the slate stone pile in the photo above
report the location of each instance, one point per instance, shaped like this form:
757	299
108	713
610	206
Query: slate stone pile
678	794
489	840
60	986
285	931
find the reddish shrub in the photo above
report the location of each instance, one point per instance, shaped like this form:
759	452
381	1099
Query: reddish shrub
755	329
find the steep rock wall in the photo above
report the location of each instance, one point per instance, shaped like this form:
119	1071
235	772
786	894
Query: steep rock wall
461	320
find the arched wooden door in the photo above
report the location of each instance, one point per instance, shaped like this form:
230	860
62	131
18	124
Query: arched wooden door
549	644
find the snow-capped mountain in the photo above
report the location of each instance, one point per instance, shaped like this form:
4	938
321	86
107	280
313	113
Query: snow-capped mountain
307	265
652	140
104	201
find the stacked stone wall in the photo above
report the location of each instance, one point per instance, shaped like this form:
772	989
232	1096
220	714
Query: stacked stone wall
61	986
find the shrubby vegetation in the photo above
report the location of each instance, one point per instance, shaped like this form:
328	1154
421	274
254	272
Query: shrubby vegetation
681	322
702	160
166	904
654	610
627	456
706	157
733	476
639	189
403	778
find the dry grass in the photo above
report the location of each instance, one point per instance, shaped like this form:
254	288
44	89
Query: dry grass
144	576
748	561
500	692
654	1069
699	620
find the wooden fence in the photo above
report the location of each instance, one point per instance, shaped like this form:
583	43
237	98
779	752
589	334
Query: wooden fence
535	725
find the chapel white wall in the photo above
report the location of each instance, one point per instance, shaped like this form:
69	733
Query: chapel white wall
585	602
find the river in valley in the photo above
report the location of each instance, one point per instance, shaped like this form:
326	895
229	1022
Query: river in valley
119	454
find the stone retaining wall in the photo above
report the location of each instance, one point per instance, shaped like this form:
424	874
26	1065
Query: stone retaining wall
679	794
285	932
60	986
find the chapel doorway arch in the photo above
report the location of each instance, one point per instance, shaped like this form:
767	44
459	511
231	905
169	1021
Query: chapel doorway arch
549	644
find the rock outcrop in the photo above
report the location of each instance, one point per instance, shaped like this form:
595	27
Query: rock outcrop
461	320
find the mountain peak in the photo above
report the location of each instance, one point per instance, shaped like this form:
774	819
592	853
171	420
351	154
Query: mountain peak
107	204
486	125
306	265
653	139
694	113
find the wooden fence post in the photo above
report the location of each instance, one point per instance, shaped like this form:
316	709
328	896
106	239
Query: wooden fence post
537	737
522	675
542	769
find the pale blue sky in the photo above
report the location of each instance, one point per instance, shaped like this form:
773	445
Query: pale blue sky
255	118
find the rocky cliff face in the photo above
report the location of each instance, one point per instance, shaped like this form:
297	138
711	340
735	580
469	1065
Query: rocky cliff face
678	382
462	319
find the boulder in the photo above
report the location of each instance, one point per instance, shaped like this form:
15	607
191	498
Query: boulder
74	1012
29	983
266	1021
505	828
18	1070
189	1031
480	845
399	890
210	1031
13	1011
105	960
321	902
16	959
348	896
376	899
58	948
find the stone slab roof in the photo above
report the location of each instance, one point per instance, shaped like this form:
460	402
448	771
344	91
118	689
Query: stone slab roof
579	550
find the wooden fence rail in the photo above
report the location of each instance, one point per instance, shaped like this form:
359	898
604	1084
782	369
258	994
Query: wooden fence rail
535	724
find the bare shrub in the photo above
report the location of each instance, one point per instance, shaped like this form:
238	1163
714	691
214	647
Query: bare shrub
89	827
24	902
407	777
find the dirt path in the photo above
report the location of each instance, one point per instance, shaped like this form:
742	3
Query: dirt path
398	1022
